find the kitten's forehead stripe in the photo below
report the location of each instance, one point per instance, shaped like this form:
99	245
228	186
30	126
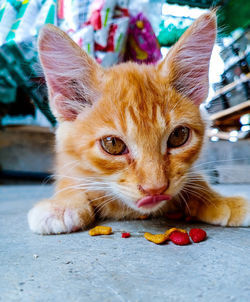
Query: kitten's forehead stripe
132	115
160	118
153	111
130	121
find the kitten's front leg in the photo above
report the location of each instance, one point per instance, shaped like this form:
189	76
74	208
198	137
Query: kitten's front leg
67	212
211	207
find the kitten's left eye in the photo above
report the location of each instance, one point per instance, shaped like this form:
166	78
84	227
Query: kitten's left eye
113	145
178	137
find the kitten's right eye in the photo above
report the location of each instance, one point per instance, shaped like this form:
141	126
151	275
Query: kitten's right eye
113	145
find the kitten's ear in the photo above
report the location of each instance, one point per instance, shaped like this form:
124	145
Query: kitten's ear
71	75
187	63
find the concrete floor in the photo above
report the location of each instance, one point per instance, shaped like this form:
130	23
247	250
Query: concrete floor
77	267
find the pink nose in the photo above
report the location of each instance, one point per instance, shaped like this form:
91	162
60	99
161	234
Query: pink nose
153	191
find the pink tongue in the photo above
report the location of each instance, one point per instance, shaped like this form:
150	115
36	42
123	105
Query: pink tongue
152	200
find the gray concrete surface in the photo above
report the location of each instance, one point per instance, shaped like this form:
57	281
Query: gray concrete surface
26	149
77	267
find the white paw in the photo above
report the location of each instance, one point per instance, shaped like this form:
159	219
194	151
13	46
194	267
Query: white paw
44	218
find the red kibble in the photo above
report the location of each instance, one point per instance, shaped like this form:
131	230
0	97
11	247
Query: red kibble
126	235
197	235
179	238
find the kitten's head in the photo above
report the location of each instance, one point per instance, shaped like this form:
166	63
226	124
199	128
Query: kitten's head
135	129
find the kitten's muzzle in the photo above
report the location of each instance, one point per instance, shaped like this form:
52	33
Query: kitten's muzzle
152	200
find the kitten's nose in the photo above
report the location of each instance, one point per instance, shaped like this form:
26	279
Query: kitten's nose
153	191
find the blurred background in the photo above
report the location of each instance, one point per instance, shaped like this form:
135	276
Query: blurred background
113	31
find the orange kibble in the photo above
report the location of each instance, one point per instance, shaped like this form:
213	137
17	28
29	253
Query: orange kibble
100	230
157	238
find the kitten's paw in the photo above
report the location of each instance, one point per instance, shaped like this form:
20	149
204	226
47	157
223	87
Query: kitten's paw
227	211
239	212
46	218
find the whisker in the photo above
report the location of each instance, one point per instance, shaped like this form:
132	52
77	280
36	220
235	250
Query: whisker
221	161
184	200
195	188
196	194
104	203
85	188
103	196
205	197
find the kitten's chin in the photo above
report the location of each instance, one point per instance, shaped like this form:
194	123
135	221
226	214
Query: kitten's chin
149	204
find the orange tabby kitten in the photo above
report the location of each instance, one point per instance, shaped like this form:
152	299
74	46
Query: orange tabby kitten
129	135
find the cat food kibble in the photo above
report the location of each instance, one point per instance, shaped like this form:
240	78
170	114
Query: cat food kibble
170	231
158	238
100	230
126	235
197	235
179	238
